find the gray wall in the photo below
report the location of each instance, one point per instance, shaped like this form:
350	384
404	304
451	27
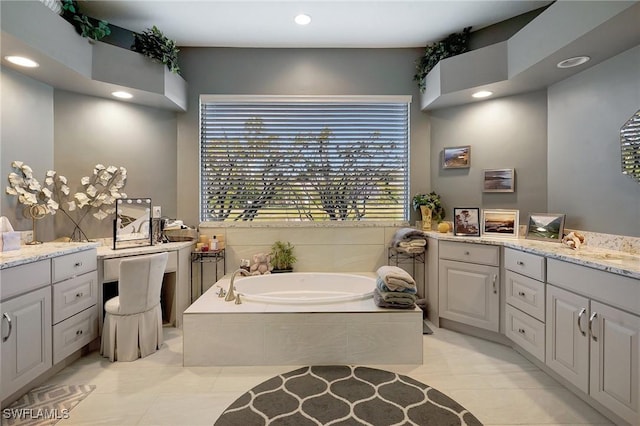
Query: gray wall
586	112
295	72
90	131
507	132
27	135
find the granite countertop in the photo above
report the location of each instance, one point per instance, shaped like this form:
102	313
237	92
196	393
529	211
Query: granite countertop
33	253
617	262
107	252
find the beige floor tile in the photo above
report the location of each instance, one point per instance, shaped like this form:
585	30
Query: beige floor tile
110	409
188	409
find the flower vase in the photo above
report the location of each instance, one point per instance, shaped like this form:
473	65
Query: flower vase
426	218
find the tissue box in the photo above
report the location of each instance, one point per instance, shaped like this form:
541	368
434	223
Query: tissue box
10	241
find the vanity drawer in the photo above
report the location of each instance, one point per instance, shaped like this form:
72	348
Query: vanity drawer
525	294
74	264
523	263
525	331
468	252
112	266
24	278
74	295
73	333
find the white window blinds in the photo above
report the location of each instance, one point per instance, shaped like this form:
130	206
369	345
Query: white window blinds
303	159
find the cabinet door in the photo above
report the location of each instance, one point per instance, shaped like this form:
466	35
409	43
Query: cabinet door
615	345
567	336
27	351
469	293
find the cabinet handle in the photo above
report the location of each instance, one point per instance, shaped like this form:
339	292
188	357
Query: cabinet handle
495	289
79	333
582	311
521	331
79	295
466	253
77	264
521	293
520	263
6	315
591	318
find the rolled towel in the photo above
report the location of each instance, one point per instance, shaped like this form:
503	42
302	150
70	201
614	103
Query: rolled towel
413	243
410	250
407	234
382	287
389	300
396	278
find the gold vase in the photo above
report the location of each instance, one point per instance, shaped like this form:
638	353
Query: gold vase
426	218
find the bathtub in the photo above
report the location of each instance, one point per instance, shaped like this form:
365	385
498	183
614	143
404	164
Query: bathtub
312	318
305	287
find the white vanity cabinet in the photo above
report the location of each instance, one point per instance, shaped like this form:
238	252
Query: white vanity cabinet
25	306
75	295
593	334
469	284
525	297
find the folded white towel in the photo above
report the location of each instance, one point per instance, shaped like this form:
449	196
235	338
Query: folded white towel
413	243
410	250
396	278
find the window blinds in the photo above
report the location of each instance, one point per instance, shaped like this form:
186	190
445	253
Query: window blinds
304	159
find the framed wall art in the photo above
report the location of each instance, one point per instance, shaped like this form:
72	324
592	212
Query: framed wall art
545	226
457	157
466	221
500	223
499	180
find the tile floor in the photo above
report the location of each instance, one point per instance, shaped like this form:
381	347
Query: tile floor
494	382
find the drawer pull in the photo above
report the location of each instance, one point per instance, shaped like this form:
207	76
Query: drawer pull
6	315
521	331
521	293
520	263
582	311
79	295
77	264
591	318
79	333
466	253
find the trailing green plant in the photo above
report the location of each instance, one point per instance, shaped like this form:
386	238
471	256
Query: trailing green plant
155	45
454	44
85	25
282	255
431	200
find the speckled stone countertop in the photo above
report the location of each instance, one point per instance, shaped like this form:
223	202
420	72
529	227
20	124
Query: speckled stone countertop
617	262
106	252
28	254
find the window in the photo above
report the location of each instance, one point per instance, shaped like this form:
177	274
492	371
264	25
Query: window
304	158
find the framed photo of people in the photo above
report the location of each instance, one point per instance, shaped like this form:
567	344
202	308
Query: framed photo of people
466	221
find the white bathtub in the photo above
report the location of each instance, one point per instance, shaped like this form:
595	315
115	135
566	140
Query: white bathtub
305	287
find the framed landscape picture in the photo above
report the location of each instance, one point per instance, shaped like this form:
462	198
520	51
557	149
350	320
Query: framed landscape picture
457	157
500	223
499	180
545	226
466	221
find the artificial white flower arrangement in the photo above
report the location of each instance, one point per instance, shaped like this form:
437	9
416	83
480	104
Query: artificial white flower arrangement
100	191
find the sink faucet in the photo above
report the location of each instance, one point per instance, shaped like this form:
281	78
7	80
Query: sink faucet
230	294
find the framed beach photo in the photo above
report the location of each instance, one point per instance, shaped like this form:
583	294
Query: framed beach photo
457	157
499	180
466	221
545	226
500	223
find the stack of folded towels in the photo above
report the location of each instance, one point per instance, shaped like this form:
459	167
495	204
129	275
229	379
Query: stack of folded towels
395	288
409	240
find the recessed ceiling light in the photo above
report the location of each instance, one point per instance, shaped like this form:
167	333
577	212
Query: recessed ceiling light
573	62
122	95
302	19
22	61
482	94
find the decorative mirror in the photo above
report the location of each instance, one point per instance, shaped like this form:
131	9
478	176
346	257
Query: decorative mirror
132	226
630	147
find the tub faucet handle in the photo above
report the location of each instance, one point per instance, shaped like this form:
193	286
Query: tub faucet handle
238	301
221	292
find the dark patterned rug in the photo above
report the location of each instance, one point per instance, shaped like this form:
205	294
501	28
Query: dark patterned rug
344	395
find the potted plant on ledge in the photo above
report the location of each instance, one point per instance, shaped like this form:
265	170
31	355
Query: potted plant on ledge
282	257
430	208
